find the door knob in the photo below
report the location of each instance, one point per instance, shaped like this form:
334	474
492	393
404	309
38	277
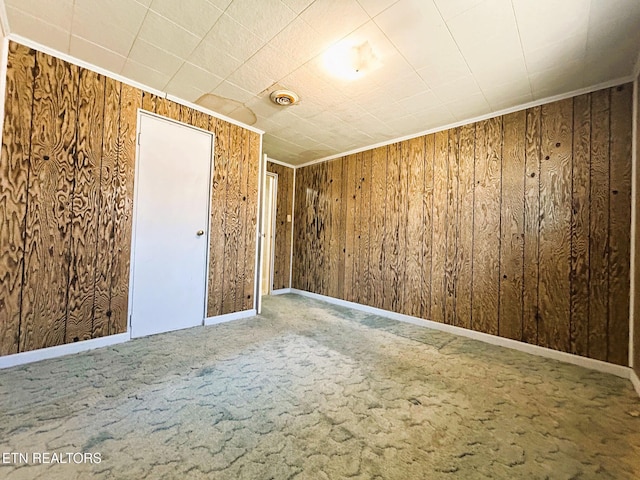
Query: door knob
200	233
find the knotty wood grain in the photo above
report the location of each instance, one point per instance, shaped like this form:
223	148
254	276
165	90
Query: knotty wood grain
486	233
365	184
85	207
105	232
619	221
391	240
452	229
130	101
636	180
232	228
243	146
351	250
465	232
334	170
413	280
531	227
555	225
439	243
359	226
48	221
150	102
376	225
512	225
217	228
250	286
427	238
580	212
14	174
599	226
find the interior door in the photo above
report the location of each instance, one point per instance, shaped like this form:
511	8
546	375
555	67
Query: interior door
268	229
171	226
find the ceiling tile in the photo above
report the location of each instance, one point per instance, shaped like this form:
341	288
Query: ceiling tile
469	106
450	92
185	91
252	80
486	33
38	30
193	75
562	79
195	16
221	4
500	70
547	22
550	56
297	5
496	92
298	40
374	7
451	8
502	103
229	90
145	75
167	35
214	59
147	54
272	63
252	18
96	55
107	35
322	15
58	13
128	15
234	39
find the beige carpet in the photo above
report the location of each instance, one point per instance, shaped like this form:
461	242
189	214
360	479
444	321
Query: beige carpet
313	391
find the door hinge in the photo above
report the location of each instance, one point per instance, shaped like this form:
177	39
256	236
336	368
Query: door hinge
139	133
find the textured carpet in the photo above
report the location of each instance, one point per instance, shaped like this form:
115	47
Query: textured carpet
313	391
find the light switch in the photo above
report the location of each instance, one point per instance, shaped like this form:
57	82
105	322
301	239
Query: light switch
288	218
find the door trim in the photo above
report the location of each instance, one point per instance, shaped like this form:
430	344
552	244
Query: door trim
134	215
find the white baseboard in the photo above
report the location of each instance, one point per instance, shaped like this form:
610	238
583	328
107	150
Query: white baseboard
281	291
60	350
635	380
590	363
229	317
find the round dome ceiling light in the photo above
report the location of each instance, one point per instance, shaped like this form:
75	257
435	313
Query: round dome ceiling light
284	98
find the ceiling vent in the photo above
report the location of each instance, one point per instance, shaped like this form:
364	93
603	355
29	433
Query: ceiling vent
284	98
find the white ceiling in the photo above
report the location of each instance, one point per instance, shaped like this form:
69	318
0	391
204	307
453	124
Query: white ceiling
442	61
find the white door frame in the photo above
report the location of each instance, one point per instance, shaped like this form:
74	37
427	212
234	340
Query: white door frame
207	227
272	243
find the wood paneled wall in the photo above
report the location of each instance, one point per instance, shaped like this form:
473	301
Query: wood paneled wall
66	203
517	226
234	198
284	207
636	325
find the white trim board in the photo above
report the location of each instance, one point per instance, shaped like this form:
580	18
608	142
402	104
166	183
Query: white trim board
61	350
280	162
81	63
229	317
517	108
636	381
281	291
617	370
634	226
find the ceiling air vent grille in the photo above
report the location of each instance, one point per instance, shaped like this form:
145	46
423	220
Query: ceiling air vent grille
284	98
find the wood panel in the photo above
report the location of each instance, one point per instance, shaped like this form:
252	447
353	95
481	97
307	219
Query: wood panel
364	216
105	233
250	286
351	250
130	101
358	228
636	180
334	231
599	227
412	281
376	225
581	187
16	145
486	232
232	227
427	241
439	239
531	247
512	225
217	226
48	222
619	220
555	225
465	232
85	207
392	231
452	229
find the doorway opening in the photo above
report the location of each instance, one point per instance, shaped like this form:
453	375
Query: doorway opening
268	232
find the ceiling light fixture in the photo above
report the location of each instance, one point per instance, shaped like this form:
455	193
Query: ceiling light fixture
284	98
351	61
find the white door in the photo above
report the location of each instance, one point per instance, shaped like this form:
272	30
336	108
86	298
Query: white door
171	227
